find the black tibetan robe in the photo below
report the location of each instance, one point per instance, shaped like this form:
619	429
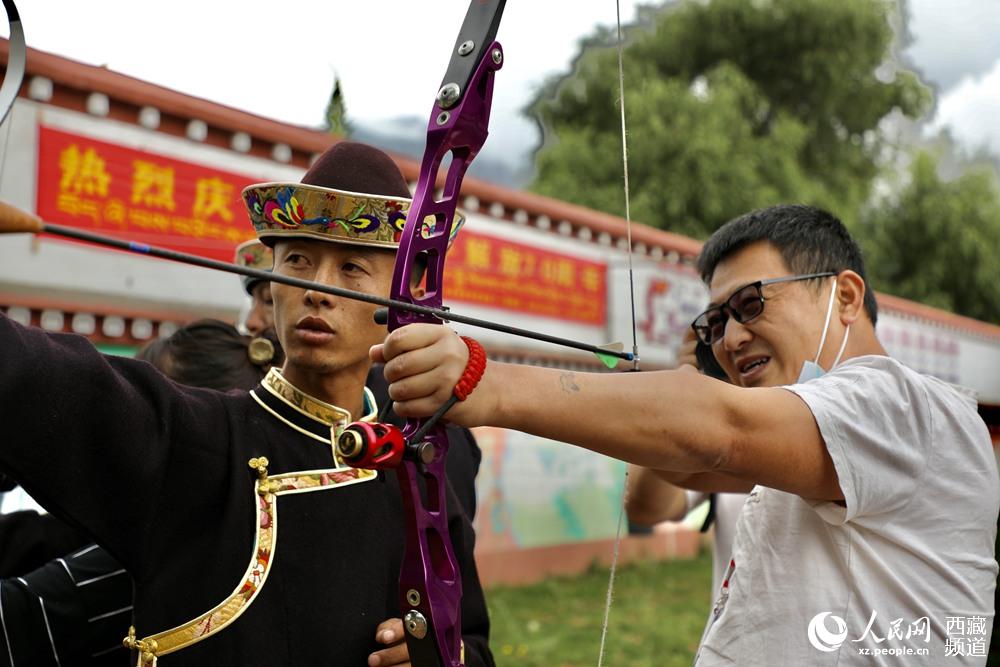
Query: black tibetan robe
292	563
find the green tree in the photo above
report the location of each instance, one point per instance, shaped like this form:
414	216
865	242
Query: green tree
731	105
336	112
936	240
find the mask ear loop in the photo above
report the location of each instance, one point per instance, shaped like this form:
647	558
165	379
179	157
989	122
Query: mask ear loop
826	325
840	352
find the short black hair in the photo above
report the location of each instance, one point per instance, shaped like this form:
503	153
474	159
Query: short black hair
210	354
809	239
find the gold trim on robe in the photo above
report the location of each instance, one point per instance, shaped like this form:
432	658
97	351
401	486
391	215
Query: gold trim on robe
267	489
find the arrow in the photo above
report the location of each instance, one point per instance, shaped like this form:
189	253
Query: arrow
15	221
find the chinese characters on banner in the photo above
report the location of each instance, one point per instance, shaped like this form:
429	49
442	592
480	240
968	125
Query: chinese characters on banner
131	194
161	201
495	272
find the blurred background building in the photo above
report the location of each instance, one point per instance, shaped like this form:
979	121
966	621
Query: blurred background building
91	148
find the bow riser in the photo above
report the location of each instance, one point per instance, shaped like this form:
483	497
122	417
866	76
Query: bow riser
461	131
430	584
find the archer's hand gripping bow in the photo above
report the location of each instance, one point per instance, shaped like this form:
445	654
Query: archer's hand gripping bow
430	584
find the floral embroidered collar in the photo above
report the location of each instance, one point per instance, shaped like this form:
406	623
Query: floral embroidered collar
319	420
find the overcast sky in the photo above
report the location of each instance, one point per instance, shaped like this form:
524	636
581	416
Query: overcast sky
956	48
278	59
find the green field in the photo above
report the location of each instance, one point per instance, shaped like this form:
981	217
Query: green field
658	614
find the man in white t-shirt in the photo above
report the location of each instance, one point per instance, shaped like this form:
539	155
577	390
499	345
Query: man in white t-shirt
869	534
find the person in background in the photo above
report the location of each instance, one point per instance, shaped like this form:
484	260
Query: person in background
29	539
260	315
214	355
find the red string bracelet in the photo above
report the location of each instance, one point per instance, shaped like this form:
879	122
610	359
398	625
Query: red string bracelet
473	370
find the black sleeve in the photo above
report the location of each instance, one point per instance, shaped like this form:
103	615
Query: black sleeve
28	540
72	611
462	467
6	483
91	437
475	617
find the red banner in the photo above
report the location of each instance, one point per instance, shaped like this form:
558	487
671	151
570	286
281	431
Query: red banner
490	271
141	196
161	201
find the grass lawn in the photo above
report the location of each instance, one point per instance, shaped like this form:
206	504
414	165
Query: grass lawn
657	616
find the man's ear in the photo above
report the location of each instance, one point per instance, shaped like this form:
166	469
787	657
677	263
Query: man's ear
850	296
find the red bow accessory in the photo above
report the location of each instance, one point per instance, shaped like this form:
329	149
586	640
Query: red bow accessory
473	370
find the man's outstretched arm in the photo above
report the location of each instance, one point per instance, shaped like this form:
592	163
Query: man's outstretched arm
668	420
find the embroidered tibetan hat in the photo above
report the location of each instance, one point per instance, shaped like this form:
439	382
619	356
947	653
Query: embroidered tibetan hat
353	193
254	255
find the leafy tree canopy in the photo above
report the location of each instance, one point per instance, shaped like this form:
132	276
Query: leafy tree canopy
936	240
732	105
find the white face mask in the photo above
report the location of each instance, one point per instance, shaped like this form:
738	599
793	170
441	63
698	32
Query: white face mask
811	369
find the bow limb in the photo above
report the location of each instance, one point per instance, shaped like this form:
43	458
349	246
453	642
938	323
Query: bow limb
16	59
17	56
430	584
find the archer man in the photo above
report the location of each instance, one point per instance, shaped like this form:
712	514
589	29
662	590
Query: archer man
250	543
874	493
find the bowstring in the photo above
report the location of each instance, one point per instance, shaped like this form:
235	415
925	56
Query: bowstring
635	344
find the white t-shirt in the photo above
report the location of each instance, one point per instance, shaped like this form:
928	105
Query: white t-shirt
905	573
727	510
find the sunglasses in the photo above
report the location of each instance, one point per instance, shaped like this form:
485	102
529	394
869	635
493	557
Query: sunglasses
746	304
